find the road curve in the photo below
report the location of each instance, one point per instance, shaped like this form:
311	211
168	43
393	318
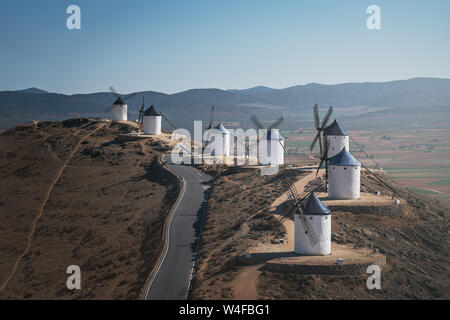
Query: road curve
172	277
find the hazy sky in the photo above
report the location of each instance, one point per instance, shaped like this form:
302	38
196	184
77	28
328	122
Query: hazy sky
171	46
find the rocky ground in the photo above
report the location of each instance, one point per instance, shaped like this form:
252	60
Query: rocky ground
72	193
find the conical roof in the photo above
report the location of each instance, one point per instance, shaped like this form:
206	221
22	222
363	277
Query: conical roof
222	129
313	206
344	158
152	112
335	129
274	135
119	101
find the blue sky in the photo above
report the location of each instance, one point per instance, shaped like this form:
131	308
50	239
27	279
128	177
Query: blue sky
171	46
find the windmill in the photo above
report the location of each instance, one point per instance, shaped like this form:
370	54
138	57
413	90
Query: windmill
208	129
120	103
142	111
288	185
260	126
276	151
297	201
320	127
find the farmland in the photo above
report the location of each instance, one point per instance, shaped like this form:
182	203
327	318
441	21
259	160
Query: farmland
418	159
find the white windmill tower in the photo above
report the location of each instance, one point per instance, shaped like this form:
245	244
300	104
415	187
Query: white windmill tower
271	145
335	139
120	110
221	144
344	176
152	121
119	107
319	218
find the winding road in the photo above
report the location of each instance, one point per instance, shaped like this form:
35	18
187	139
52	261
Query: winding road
172	277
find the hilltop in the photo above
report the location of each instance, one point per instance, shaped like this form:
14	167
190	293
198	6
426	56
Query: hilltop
73	193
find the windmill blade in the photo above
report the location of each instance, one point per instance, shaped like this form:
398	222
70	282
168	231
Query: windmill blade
141	112
256	122
276	124
320	165
327	117
292	192
211	118
320	144
129	96
109	108
113	91
313	144
316	116
173	126
208	128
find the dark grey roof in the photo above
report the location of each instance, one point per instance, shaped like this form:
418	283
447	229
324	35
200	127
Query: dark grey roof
335	129
222	129
274	135
152	112
313	206
344	158
119	101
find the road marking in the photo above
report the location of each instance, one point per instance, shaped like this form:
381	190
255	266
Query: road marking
167	238
197	245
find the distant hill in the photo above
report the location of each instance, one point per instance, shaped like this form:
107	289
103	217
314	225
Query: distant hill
416	95
254	90
32	90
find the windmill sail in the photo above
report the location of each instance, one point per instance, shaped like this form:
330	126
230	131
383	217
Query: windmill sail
293	194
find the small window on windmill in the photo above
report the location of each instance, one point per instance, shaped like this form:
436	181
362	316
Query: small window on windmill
310	218
345	168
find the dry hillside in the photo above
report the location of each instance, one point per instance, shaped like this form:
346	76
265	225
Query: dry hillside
414	237
72	193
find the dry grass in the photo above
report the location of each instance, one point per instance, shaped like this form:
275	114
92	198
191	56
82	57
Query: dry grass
105	213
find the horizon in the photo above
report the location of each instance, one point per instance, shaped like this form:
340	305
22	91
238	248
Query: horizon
174	47
226	89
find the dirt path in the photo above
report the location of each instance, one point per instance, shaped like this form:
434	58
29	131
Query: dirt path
245	283
41	210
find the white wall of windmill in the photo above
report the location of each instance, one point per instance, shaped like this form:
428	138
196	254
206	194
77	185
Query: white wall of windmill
220	145
271	152
335	144
321	224
344	182
120	112
152	125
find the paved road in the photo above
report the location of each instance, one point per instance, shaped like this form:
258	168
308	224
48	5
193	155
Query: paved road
172	279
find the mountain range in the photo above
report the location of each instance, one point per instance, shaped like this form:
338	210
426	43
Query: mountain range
415	95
